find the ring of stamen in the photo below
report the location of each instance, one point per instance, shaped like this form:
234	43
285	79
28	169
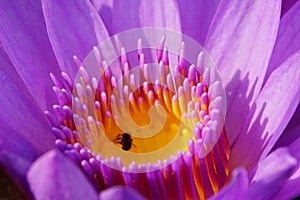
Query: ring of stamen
158	106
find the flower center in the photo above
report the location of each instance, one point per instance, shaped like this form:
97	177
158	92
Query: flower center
164	117
151	121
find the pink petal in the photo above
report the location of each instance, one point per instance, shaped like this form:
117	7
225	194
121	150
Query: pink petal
288	38
24	37
240	41
53	176
104	9
271	174
196	17
291	188
135	14
74	27
120	193
270	114
236	187
24	129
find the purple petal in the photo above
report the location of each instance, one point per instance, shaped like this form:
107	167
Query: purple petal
104	8
24	129
270	114
291	189
135	14
196	17
10	139
288	38
295	121
240	41
286	5
271	174
236	187
120	193
52	176
288	137
24	37
9	70
291	132
74	27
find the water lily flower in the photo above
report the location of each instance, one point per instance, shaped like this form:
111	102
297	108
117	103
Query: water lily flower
51	145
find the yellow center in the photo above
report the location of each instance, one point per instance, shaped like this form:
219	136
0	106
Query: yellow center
139	107
154	118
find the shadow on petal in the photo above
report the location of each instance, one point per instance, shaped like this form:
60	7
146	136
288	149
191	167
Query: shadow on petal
239	102
241	128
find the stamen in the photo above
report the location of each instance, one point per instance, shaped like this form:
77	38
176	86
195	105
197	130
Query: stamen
181	103
77	61
160	48
176	107
68	80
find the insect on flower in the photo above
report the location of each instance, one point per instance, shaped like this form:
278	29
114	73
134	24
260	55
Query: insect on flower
125	140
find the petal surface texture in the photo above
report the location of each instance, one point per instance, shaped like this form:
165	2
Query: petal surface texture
25	40
242	53
269	115
21	120
74	27
271	175
196	16
288	38
138	14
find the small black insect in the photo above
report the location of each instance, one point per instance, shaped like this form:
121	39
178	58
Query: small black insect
125	140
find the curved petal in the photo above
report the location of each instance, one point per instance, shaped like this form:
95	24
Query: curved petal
271	174
104	9
142	13
288	38
240	41
120	193
24	129
270	114
52	176
291	188
74	27
235	189
24	37
196	17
